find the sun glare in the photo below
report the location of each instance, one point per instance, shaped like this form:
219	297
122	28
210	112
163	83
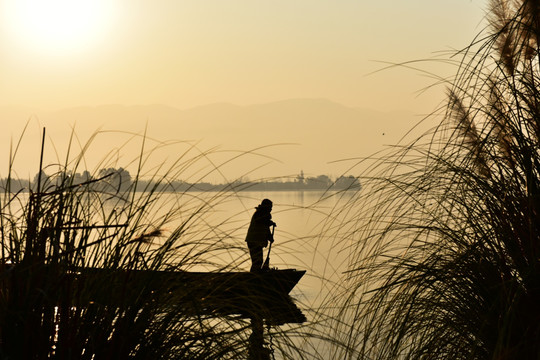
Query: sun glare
57	27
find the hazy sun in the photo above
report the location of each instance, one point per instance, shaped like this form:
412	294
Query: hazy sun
57	26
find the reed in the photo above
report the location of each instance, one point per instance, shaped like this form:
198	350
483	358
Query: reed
446	233
58	234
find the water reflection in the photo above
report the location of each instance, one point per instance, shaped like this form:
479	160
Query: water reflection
283	312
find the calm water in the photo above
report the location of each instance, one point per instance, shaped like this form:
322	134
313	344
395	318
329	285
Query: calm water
304	236
307	237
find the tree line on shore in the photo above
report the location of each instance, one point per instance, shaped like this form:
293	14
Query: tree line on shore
119	179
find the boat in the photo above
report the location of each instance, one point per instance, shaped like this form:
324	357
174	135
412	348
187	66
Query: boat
202	289
242	293
264	294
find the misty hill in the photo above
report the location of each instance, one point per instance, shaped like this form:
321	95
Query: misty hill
322	131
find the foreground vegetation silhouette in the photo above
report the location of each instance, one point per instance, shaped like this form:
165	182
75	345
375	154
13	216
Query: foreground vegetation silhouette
89	272
447	237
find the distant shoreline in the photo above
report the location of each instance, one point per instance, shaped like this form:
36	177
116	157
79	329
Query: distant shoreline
119	180
115	184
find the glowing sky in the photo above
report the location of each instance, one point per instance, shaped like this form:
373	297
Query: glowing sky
185	53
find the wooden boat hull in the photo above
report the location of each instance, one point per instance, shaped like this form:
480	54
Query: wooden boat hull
264	294
196	293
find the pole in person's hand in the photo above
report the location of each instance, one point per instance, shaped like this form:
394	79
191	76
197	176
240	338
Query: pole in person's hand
266	265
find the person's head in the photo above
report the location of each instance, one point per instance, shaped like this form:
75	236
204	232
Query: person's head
266	205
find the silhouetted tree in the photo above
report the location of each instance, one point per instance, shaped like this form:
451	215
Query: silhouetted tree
347	182
320	181
115	179
45	181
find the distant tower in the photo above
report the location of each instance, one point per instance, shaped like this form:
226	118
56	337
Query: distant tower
300	178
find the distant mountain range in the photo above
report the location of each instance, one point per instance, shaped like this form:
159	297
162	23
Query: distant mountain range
322	131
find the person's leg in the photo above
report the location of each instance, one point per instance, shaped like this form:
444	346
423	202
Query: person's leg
256	254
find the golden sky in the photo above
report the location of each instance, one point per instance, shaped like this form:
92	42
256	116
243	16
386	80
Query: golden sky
185	53
60	54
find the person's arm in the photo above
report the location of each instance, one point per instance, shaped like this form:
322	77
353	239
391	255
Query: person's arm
270	222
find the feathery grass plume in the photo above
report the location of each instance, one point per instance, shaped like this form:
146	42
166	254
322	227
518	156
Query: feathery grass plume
94	266
505	42
467	128
497	114
446	234
516	25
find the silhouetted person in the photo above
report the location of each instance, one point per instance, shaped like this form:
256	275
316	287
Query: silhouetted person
259	234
